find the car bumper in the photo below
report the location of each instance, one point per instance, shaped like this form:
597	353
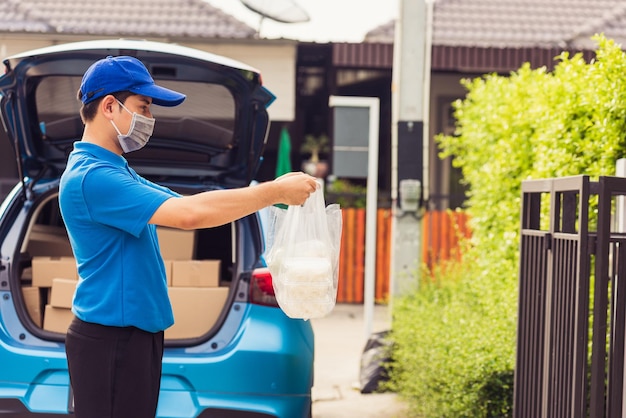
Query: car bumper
265	371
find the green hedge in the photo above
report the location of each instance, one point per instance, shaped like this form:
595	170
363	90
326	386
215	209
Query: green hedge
455	341
454	338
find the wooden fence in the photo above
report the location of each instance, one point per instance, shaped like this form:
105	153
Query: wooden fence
441	234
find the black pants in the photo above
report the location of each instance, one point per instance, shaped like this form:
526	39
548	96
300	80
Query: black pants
114	372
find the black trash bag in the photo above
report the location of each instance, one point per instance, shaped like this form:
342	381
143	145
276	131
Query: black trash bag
376	354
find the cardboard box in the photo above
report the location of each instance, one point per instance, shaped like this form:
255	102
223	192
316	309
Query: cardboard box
47	268
32	300
62	293
57	319
46	240
49	229
195	273
195	310
176	244
27	274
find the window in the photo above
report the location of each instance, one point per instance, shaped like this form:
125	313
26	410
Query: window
206	117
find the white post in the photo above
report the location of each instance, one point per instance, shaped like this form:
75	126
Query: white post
409	140
620	215
369	288
371	205
620	210
428	48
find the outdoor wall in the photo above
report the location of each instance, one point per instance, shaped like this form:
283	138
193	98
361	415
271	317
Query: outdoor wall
14	44
277	63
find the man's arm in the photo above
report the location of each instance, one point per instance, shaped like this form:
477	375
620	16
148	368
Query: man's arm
218	207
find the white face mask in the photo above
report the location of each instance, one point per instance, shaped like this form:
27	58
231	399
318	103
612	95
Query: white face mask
141	128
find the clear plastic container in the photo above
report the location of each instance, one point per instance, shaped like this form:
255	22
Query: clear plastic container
305	287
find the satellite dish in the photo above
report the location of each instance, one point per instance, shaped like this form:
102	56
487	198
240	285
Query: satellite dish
284	11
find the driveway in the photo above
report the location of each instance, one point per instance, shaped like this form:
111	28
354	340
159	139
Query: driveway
339	341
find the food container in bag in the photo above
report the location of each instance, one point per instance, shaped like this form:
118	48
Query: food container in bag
303	257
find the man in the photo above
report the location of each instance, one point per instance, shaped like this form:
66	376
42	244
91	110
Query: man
115	344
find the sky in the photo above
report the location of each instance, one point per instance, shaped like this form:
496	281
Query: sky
330	20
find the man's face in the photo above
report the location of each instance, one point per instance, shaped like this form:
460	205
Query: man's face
137	103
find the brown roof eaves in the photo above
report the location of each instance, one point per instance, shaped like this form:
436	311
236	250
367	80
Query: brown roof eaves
450	58
363	55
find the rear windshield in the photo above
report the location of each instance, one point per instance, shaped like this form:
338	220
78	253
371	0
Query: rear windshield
206	117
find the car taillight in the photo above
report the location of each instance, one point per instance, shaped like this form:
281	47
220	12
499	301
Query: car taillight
262	289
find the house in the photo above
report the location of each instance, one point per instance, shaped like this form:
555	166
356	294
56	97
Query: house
470	38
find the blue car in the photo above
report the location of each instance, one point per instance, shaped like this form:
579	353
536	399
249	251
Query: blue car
232	351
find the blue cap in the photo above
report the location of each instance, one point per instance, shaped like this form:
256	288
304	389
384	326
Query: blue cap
113	74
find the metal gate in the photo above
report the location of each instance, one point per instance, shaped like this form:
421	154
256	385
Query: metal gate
571	323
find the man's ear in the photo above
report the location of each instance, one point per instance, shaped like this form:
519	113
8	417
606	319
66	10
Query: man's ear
108	106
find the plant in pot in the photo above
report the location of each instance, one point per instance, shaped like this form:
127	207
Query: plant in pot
313	146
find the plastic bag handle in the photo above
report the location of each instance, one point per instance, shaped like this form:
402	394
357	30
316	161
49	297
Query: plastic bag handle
315	200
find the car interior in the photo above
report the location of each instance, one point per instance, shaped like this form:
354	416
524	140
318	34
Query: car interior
203	259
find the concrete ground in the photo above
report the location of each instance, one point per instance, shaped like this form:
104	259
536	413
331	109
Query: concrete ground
339	341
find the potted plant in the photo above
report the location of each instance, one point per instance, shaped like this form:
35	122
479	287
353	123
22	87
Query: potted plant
313	146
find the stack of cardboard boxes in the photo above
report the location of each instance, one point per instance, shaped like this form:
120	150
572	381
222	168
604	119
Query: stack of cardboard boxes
53	281
49	303
197	299
58	276
193	285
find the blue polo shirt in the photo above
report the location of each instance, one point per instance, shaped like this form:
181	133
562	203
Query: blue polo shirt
106	207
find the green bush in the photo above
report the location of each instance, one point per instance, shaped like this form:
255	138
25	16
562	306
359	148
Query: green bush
454	344
455	337
346	193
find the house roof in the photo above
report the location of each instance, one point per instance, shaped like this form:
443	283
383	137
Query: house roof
520	23
163	18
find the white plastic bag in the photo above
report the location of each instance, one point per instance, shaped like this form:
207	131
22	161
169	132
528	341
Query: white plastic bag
303	256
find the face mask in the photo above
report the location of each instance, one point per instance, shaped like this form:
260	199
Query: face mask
141	128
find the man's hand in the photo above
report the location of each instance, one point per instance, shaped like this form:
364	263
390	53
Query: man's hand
295	187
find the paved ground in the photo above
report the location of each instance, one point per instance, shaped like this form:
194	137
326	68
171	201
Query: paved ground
339	341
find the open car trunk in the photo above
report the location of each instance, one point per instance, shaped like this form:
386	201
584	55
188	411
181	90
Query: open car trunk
200	268
213	140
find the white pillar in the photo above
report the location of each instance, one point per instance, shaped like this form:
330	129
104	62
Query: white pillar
409	137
